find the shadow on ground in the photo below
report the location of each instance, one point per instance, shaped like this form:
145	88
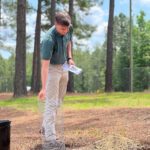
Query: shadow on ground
37	147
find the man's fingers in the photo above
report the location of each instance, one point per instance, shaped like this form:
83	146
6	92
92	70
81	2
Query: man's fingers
43	97
40	96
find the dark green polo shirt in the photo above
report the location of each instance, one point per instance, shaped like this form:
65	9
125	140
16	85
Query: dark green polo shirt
54	46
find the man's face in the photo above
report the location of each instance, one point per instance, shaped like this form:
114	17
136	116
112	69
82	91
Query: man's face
61	29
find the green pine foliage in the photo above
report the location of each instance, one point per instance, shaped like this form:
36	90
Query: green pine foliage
141	53
82	30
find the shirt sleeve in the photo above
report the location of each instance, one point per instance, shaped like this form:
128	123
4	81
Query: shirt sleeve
47	48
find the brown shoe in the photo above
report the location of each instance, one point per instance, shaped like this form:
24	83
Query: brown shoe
54	145
42	131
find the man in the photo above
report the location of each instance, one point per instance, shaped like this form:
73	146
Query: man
56	50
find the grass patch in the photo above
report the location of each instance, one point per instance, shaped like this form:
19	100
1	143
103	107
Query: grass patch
116	99
27	103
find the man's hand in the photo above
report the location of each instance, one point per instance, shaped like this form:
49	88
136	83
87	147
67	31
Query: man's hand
41	95
71	62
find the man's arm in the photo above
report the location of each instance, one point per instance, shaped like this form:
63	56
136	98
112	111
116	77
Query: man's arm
44	74
69	50
69	54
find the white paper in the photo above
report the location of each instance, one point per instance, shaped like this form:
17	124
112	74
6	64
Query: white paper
76	70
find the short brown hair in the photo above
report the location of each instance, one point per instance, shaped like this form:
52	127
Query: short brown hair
63	19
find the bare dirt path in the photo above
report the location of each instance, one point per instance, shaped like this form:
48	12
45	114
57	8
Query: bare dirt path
5	96
82	127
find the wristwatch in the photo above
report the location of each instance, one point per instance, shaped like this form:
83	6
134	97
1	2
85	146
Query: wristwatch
69	58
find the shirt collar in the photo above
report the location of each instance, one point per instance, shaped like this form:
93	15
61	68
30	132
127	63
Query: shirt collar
58	34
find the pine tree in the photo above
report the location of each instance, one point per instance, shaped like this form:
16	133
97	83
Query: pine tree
20	60
109	61
0	13
53	11
70	86
36	71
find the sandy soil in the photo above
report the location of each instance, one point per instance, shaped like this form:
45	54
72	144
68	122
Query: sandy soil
5	96
82	127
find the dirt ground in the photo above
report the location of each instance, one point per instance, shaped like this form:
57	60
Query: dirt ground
82	127
5	96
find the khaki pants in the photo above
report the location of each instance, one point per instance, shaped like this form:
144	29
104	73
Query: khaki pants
55	92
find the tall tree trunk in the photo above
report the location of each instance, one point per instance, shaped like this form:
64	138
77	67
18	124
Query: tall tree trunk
131	51
70	86
71	10
53	11
0	12
108	77
20	61
36	67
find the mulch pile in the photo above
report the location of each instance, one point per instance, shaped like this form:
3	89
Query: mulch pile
114	142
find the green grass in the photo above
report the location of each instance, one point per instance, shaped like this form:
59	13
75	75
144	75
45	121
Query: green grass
28	103
116	99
